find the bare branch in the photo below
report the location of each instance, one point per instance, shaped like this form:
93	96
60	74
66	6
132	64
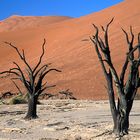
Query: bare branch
100	58
45	73
42	89
17	87
44	84
22	56
127	38
102	27
138	38
129	41
9	72
47	87
106	33
39	83
130	55
40	69
23	53
40	59
106	52
102	44
133	50
97	30
122	75
24	81
132	35
110	22
138	47
16	49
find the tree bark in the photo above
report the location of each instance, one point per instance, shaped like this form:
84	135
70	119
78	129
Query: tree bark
125	89
121	124
32	108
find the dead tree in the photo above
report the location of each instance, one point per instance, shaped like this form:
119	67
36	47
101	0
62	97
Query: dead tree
68	94
7	94
32	79
126	84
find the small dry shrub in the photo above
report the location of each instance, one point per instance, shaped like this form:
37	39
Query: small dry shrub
19	99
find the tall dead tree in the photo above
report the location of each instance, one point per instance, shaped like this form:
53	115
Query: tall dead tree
126	84
32	79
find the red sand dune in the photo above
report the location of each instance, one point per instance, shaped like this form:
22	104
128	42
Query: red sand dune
16	22
81	71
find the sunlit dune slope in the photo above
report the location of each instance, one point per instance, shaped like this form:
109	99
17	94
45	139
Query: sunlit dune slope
67	48
16	22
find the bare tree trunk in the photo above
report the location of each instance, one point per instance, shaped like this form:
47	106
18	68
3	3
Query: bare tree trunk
32	79
32	108
125	89
111	97
122	124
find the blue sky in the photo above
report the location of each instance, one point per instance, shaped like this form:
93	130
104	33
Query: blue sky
73	8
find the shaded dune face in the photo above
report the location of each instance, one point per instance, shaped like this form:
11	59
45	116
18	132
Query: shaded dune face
67	48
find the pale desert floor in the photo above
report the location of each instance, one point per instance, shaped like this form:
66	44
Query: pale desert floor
64	120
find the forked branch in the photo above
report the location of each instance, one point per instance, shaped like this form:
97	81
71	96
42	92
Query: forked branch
40	59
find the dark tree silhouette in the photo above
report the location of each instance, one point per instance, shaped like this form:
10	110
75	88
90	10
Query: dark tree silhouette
68	94
125	89
32	78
